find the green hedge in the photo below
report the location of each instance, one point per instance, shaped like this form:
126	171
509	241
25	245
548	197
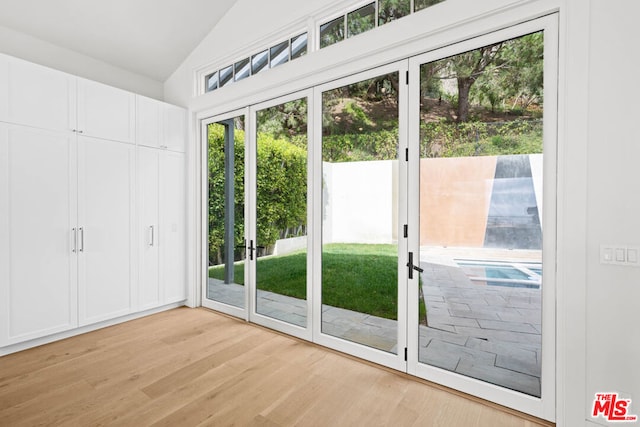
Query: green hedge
475	138
281	191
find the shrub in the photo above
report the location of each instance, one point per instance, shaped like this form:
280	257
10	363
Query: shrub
281	190
448	139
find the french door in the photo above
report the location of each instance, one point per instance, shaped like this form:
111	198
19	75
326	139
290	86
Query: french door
482	191
398	215
225	213
359	246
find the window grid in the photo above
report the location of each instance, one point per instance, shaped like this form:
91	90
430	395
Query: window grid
251	65
230	73
414	6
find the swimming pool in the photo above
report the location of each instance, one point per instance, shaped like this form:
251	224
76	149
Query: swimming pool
507	274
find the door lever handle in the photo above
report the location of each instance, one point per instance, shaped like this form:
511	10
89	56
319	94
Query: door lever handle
412	266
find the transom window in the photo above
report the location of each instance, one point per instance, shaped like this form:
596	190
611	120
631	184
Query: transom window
367	17
277	54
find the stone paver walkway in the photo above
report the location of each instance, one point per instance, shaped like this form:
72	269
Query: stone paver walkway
492	333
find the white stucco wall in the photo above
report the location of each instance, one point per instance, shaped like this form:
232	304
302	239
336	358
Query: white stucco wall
358	202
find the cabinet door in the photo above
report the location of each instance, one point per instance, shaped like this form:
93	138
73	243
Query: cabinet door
38	287
36	96
4	88
149	292
148	118
105	186
105	112
175	128
173	226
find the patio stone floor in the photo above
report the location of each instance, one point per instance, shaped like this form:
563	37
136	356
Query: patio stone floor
491	333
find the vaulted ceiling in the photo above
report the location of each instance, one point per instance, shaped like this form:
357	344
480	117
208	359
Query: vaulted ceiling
147	37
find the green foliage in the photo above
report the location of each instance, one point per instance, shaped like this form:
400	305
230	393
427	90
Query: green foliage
284	120
357	114
281	190
331	32
505	75
361	20
354	147
216	162
390	10
448	139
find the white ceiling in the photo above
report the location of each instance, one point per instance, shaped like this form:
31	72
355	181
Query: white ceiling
147	37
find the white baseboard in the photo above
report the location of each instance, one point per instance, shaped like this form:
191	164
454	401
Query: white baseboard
14	348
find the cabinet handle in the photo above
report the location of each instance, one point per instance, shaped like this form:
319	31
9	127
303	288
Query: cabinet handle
75	240
81	239
152	235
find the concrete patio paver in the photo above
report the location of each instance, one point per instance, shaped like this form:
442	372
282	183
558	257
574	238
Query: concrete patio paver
491	333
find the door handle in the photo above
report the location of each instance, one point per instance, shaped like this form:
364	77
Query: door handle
412	266
81	229
251	248
152	236
75	240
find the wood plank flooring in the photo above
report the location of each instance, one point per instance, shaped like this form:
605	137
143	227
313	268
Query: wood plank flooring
194	367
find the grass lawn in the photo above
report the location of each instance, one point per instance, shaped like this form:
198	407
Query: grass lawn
356	277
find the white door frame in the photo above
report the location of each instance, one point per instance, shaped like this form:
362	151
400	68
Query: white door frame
395	361
251	174
543	407
242	313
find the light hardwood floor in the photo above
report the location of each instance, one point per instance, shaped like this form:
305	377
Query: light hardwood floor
189	367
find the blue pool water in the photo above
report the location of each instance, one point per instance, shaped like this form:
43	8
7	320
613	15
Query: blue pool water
521	275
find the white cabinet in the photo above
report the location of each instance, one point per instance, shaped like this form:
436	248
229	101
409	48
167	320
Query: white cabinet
38	286
160	125
79	242
105	220
36	96
173	226
162	228
65	231
148	122
175	127
149	289
105	112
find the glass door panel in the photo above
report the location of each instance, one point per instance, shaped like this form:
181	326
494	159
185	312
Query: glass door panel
480	213
281	212
360	212
226	212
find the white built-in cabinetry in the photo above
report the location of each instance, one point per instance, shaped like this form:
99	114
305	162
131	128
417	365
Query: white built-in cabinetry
161	183
92	202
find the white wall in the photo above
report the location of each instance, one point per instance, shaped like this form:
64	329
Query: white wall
248	24
599	151
44	53
613	209
358	202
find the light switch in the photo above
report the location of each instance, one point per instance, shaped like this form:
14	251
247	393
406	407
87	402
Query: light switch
607	255
632	255
621	255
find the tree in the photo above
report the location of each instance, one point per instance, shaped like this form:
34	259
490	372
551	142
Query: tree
510	70
468	67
